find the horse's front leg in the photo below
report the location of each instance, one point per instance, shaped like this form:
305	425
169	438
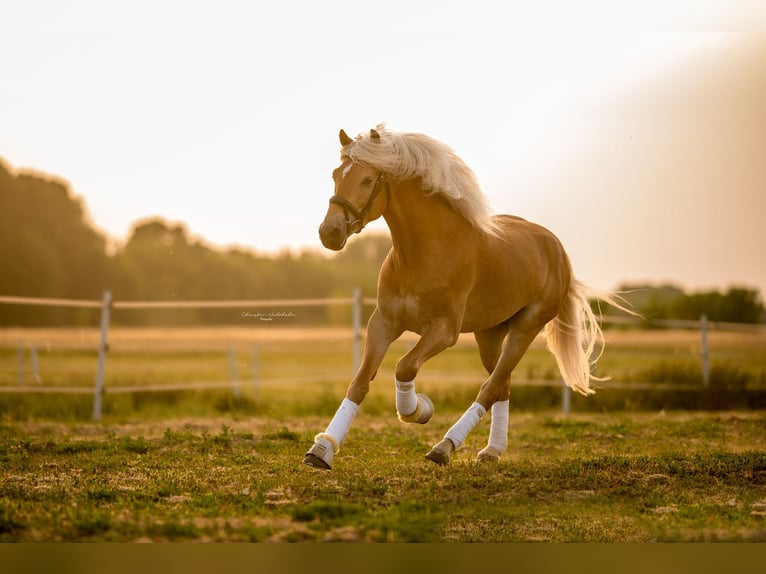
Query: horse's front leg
414	407
327	444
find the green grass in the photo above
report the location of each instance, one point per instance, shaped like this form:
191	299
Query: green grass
583	478
211	465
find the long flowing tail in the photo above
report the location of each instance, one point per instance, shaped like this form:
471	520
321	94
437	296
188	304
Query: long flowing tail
573	334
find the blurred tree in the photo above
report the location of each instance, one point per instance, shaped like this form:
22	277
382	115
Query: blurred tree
359	263
736	305
48	248
653	302
160	261
742	305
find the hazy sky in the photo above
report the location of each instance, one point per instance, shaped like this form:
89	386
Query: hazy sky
638	137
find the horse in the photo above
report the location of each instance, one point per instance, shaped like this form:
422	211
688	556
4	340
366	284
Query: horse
453	268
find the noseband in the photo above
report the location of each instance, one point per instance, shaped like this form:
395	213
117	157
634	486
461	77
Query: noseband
356	223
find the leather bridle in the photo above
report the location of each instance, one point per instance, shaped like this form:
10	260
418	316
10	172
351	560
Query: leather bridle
356	224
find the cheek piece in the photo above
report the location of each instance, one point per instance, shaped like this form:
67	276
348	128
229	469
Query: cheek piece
354	217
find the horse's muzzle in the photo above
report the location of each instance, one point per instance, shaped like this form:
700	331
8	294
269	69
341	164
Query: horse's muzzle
333	232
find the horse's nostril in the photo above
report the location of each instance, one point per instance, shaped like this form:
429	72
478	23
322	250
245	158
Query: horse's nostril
329	231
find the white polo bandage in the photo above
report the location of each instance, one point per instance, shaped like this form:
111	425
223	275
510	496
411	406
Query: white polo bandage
406	400
459	431
341	422
498	431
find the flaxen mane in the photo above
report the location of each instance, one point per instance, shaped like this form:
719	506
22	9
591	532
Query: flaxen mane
409	155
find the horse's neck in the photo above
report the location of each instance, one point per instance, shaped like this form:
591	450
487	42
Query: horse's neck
424	227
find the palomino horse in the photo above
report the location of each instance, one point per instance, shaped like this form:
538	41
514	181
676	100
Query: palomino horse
453	268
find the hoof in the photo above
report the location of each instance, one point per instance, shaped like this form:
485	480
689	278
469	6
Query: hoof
313	460
320	455
440	453
488	454
427	406
423	412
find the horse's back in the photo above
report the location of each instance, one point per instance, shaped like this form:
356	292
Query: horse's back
523	262
513	223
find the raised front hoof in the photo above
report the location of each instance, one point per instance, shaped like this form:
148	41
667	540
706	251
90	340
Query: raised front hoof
320	455
423	412
488	454
440	453
427	406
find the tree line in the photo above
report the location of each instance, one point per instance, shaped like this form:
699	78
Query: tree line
50	248
736	304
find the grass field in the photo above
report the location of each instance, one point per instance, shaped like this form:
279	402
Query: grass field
210	465
586	477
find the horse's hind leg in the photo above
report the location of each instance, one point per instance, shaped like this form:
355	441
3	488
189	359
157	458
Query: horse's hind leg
490	347
522	331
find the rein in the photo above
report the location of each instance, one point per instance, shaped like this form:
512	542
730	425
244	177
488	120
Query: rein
357	223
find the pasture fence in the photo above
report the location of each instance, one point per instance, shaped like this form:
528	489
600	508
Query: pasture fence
107	304
357	302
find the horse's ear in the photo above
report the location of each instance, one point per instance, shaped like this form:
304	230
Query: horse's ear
344	139
374	136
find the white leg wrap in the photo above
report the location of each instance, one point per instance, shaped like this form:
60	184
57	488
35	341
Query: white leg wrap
459	431
341	422
406	401
498	431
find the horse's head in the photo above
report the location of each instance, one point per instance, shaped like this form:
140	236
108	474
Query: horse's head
357	200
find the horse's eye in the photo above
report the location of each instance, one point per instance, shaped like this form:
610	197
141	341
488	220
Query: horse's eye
367	181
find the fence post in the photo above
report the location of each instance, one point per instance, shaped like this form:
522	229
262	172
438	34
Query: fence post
103	347
20	354
233	371
256	368
35	364
705	352
566	398
356	320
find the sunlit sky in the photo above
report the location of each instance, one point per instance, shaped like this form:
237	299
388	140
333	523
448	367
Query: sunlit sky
635	132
